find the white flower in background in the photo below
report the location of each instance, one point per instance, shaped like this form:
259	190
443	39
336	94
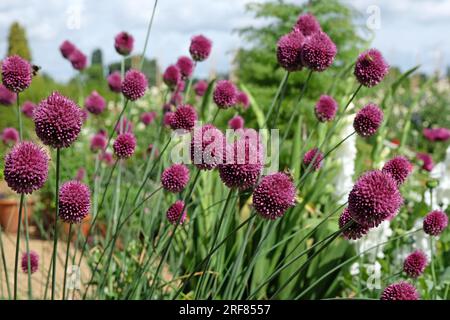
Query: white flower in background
354	269
441	194
373	241
345	157
374	275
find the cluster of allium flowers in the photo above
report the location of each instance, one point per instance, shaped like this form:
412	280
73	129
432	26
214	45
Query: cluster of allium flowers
207	147
225	94
184	118
172	76
80	175
74	201
124	145
175	178
186	66
28	108
10	136
242	100
274	195
148	117
399	168
307	24
114	81
67	48
370	68
26	167
107	158
16	73
57	121
355	230
318	52
7	97
436	134
200	88
374	198
313	158
368	120
400	291
168	118
427	161
95	103
326	108
415	264
98	142
176	213
289	51
78	60
123	43
34	261
435	222
237	122
134	85
243	161
200	48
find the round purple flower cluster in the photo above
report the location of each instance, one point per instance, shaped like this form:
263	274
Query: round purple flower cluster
435	223
67	48
207	147
355	230
370	68
16	73
415	264
307	24
225	94
243	100
28	109
318	52
115	81
34	262
7	97
237	122
427	161
400	291
326	108
124	145
134	85
74	201
148	117
200	88
289	51
175	178
200	48
368	120
78	60
399	168
184	118
176	213
123	43
313	155
10	136
186	66
95	103
99	141
172	76
436	134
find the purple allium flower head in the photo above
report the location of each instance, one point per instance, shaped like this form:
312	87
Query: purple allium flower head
81	174
168	118
237	122
115	81
326	108
374	198
180	86
225	94
34	262
274	195
134	85
244	161
399	168
10	136
67	48
318	52
435	222
207	147
74	201
370	68
289	51
123	43
148	117
172	76
313	154
184	118
107	157
186	66
368	120
307	24
243	100
355	230
415	264
436	134
427	161
28	109
95	103
57	121
124	145
7	97
200	88
98	142
200	48
26	167
176	212
16	73
176	98
78	60
175	178
400	291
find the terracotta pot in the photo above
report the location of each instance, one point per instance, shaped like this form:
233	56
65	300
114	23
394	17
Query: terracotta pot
9	213
84	227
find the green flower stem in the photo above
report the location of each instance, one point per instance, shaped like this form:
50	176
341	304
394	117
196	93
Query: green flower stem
147	35
433	268
27	240
2	249
16	263
67	261
55	230
277	95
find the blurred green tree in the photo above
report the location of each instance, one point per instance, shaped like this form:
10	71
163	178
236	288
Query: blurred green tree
17	42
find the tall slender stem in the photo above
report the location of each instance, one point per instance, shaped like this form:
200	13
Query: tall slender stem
27	240
2	249
19	118
16	263
433	270
147	36
67	261
275	98
55	230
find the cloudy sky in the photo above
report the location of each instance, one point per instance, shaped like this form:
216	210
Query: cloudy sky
407	31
